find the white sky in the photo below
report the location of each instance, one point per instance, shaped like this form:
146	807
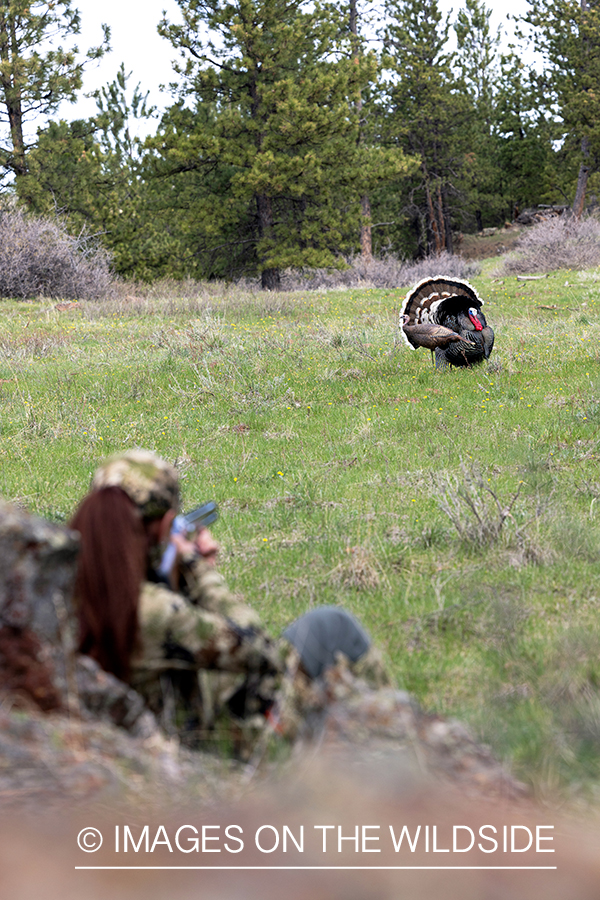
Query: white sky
135	42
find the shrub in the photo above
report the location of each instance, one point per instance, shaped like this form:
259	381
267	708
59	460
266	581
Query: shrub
39	258
445	264
387	272
560	243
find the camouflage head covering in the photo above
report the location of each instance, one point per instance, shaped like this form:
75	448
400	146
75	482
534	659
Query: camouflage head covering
148	480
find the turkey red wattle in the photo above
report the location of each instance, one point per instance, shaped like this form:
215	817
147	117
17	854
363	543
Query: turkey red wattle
472	313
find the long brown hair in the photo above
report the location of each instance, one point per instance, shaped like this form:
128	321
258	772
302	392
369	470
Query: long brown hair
112	566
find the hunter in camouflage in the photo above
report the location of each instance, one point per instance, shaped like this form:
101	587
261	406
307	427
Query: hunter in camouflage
202	655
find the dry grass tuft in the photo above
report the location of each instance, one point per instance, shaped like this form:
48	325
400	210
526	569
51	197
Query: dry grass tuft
475	509
30	346
359	572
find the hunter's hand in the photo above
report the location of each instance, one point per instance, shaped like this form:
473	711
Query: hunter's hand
203	545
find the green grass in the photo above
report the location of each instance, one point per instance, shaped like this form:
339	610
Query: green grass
330	447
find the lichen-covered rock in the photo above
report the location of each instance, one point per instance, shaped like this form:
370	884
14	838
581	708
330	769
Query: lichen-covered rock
48	760
26	668
351	713
38	659
37	572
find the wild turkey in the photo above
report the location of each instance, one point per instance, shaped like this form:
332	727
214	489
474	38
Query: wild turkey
454	305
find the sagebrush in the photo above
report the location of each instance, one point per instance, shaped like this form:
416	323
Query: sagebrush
559	243
38	258
385	272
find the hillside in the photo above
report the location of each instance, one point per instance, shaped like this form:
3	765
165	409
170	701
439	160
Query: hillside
350	471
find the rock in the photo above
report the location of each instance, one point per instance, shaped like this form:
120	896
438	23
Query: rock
26	668
38	662
54	760
37	574
351	713
539	214
36	581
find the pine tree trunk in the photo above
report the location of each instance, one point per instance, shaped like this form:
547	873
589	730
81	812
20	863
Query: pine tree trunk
449	242
441	217
433	224
366	243
12	101
18	162
582	180
270	277
584	168
447	222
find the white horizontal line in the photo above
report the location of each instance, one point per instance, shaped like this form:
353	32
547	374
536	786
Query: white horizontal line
312	868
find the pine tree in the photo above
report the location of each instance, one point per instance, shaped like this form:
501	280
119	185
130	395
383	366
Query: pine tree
35	76
428	114
477	56
476	63
357	46
90	173
262	151
65	174
567	34
526	161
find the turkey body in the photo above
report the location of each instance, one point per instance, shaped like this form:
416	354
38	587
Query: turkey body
454	305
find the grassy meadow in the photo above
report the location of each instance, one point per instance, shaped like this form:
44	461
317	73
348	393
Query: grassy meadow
456	513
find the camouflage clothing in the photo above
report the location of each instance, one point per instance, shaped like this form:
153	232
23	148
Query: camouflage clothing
205	664
148	480
302	700
215	629
199	648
